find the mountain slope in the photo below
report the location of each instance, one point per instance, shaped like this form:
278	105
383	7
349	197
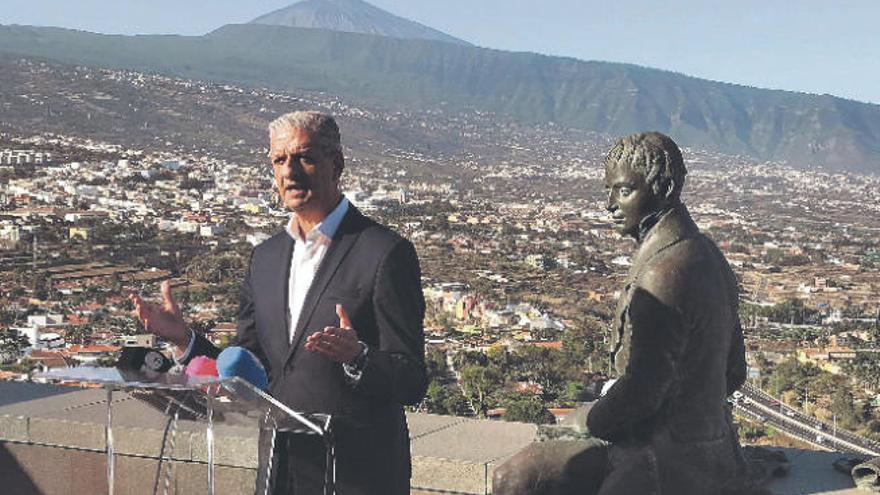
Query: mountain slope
351	16
807	130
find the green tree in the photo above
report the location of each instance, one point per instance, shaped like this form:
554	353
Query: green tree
527	408
435	361
444	399
572	393
865	368
843	407
500	358
463	358
546	367
792	311
79	334
454	402
216	269
579	343
12	343
791	375
480	385
434	396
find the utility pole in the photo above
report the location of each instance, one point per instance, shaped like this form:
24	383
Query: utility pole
34	253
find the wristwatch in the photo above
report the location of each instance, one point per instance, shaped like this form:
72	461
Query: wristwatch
356	367
361	358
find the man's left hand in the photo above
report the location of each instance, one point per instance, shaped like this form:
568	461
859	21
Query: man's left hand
340	343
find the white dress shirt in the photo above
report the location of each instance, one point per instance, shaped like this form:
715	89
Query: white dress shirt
308	252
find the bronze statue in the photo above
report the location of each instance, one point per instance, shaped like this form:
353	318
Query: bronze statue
663	427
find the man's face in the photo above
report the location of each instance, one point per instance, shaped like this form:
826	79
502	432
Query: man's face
306	175
630	198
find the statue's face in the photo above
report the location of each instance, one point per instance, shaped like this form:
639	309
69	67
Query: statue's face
630	198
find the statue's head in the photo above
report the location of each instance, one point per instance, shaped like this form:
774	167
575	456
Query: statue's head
644	174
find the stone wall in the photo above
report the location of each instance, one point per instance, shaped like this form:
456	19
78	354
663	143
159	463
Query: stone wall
53	441
54	470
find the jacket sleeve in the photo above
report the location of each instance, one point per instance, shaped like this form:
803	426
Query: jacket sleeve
395	369
627	410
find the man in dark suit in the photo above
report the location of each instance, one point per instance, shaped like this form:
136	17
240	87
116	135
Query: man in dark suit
333	307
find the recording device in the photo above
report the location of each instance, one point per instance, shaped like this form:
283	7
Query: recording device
143	359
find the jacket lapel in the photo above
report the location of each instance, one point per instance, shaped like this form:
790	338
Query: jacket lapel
674	227
343	241
279	288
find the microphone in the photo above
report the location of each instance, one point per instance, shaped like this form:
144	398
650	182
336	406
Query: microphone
240	362
201	366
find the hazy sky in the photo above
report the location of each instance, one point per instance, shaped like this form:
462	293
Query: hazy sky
801	45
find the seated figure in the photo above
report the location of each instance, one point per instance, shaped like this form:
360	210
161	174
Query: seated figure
663	426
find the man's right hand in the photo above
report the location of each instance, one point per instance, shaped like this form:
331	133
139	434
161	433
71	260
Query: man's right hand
163	319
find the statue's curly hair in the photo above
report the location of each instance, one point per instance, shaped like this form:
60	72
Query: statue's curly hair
656	157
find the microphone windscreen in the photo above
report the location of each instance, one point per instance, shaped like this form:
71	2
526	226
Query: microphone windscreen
240	362
201	366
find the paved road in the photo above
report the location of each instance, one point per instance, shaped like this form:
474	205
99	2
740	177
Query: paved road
761	406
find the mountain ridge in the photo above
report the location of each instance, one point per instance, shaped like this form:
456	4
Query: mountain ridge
615	99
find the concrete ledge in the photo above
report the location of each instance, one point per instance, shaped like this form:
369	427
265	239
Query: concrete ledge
460	454
233	446
67	427
452	475
14	428
71	434
52	442
812	473
478	441
149	443
27	469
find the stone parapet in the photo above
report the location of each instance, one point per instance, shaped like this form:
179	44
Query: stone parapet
52	441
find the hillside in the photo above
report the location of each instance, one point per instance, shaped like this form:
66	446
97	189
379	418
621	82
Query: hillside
806	130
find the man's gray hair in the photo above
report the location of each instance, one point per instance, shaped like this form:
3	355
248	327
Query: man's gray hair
654	155
320	126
